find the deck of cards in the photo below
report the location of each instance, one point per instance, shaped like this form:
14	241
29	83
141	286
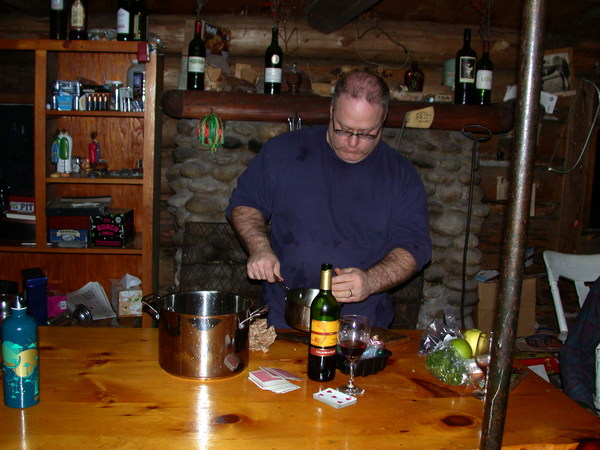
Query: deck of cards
335	398
273	379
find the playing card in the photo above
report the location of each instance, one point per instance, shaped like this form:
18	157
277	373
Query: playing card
268	381
281	373
335	398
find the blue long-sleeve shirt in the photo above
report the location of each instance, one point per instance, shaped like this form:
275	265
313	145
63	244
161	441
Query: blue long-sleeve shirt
325	210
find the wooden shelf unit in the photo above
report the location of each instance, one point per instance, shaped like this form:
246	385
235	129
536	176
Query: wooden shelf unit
125	138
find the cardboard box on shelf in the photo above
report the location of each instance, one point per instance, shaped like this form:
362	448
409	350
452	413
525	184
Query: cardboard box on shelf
485	311
126	302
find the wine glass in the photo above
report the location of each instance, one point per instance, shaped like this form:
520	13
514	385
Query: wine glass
483	352
353	338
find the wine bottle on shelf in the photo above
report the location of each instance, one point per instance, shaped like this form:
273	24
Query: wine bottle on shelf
20	371
273	65
485	76
138	20
465	67
324	322
123	13
196	60
414	78
78	20
58	19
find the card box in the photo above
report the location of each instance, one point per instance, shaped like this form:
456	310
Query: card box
113	229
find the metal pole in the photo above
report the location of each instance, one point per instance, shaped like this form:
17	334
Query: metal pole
515	240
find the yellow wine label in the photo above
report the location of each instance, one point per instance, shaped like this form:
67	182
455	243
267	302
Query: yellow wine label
323	333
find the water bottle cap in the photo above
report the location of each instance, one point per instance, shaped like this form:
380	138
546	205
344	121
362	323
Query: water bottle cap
18	302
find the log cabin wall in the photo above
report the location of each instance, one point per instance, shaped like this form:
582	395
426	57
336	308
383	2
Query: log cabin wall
559	205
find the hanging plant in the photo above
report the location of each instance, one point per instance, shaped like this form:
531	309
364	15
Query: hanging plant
210	131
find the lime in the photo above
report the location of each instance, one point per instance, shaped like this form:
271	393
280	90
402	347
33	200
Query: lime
463	347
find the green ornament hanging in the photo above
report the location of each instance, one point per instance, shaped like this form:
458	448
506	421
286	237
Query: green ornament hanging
210	131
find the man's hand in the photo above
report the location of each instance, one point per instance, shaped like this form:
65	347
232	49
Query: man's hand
263	265
350	285
251	227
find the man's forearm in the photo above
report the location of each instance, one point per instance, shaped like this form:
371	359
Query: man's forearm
395	268
250	225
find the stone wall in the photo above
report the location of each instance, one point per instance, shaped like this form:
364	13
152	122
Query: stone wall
203	181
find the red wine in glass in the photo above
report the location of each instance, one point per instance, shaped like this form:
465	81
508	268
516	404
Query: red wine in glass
353	349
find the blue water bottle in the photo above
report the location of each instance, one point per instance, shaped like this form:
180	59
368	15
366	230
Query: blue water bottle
20	367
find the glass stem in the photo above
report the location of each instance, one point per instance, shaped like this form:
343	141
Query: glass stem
352	367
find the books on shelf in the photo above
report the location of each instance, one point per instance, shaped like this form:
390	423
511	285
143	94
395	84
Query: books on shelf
20	216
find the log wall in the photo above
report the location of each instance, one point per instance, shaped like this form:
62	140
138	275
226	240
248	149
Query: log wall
388	44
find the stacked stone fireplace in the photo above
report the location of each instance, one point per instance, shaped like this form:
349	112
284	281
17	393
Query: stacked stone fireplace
208	255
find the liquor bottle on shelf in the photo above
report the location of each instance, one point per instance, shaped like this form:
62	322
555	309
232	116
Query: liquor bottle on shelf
196	60
78	20
324	322
138	20
58	19
465	67
123	13
414	78
485	76
20	370
273	65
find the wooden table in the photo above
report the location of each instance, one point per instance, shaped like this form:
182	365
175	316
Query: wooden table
103	388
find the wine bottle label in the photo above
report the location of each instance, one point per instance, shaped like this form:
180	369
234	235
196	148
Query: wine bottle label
275	59
323	333
273	75
322	351
77	16
467	69
57	5
122	21
196	64
484	79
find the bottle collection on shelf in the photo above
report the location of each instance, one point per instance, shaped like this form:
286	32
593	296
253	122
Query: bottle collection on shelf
69	18
75	95
473	79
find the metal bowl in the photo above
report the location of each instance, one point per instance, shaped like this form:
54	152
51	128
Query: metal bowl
297	308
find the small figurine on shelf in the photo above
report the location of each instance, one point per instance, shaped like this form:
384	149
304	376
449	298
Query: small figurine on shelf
93	149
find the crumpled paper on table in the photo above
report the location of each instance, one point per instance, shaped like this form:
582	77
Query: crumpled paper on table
260	336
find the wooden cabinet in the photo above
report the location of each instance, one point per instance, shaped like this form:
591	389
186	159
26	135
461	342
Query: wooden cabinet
125	138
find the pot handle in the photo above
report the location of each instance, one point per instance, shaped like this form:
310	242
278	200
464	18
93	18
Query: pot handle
257	312
150	305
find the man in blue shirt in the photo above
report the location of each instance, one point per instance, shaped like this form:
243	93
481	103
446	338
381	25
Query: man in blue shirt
335	194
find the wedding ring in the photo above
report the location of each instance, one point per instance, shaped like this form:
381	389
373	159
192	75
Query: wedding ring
350	292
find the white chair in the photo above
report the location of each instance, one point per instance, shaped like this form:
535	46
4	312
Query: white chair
580	269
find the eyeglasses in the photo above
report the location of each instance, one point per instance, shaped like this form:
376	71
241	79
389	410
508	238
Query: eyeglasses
363	136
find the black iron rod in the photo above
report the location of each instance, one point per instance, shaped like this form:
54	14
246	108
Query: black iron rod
515	239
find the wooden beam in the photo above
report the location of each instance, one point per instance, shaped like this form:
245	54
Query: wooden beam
315	110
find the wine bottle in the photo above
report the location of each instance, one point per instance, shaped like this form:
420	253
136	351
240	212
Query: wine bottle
196	60
20	371
123	30
78	20
464	78
324	322
485	75
273	65
138	20
58	19
414	78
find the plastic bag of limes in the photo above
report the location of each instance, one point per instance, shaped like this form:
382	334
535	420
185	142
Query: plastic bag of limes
451	362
